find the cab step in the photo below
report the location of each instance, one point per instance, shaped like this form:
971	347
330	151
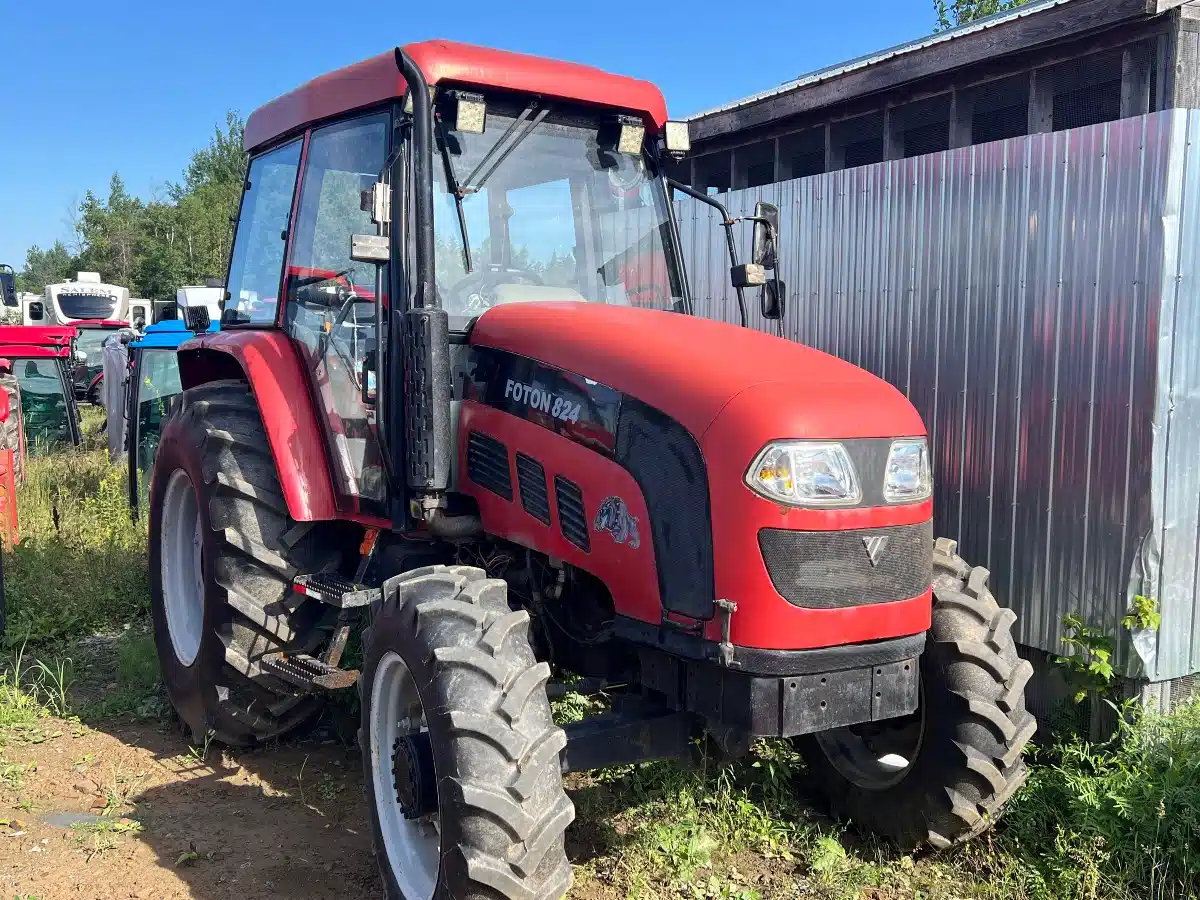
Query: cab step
336	590
307	672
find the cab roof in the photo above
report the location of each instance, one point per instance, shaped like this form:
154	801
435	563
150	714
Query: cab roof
377	79
167	335
55	337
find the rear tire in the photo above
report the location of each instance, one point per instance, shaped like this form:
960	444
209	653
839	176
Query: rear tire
475	695
221	595
969	732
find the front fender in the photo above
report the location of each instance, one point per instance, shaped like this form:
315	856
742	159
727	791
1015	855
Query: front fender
268	361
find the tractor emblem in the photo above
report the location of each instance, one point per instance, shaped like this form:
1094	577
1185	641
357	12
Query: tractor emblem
613	517
874	545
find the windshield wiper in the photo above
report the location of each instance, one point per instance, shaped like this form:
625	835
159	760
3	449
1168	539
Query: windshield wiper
472	186
452	181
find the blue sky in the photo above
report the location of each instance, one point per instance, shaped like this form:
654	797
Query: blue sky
90	88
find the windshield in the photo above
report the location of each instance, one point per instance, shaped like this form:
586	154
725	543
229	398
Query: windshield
87	306
549	216
91	342
43	404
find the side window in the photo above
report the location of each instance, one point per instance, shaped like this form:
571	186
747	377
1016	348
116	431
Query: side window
159	383
257	259
331	299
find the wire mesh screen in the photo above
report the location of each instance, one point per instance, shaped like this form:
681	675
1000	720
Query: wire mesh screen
860	140
1000	110
927	138
924	125
1087	105
809	163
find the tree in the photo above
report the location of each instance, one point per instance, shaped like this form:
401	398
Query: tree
110	231
43	267
952	13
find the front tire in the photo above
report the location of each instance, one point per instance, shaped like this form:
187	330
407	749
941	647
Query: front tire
942	775
449	677
223	554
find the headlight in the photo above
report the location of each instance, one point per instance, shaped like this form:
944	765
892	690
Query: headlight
907	478
805	473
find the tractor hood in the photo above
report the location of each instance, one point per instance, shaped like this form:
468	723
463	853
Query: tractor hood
695	370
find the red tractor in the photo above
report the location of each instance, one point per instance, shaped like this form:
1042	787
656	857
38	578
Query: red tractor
459	400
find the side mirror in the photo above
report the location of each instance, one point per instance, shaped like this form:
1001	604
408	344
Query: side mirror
367	380
766	234
771	299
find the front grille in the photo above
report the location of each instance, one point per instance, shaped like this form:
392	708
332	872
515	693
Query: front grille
833	569
487	464
531	477
572	518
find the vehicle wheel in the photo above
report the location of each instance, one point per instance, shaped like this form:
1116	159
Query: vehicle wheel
95	392
460	753
941	775
223	554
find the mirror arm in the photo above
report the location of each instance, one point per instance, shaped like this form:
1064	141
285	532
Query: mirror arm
726	223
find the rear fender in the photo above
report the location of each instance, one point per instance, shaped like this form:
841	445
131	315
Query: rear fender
269	363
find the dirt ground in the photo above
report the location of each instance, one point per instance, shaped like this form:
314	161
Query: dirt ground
160	822
125	810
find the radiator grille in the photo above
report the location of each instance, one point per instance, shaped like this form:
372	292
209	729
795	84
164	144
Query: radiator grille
487	464
833	569
531	478
572	517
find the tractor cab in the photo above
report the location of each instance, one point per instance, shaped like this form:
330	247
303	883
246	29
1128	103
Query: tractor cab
42	360
153	383
88	376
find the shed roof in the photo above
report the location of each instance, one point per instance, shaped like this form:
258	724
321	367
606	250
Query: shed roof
1032	24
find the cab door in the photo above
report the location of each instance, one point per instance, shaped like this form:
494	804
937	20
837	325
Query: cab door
330	298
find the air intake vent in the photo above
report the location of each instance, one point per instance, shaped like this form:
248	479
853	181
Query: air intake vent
572	517
531	478
487	464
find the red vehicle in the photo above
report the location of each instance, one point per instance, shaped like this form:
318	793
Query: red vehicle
542	461
43	360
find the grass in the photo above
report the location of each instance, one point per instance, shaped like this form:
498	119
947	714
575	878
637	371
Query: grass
1118	821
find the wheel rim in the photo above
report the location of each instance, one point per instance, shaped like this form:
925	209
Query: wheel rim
412	847
182	567
876	755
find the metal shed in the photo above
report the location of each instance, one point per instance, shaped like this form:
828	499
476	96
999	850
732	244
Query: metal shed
1037	299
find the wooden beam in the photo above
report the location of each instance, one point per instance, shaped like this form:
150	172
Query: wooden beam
1181	87
835	154
893	134
1136	65
1041	101
962	111
783	167
1051	26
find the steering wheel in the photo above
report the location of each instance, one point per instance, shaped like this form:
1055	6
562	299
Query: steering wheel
476	293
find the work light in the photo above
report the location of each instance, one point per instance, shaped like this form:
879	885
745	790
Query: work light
805	473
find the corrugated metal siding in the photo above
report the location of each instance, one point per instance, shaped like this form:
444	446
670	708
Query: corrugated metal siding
1012	291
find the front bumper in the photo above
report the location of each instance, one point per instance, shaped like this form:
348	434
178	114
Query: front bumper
788	693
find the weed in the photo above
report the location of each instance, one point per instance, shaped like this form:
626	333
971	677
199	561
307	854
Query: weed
200	754
81	563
